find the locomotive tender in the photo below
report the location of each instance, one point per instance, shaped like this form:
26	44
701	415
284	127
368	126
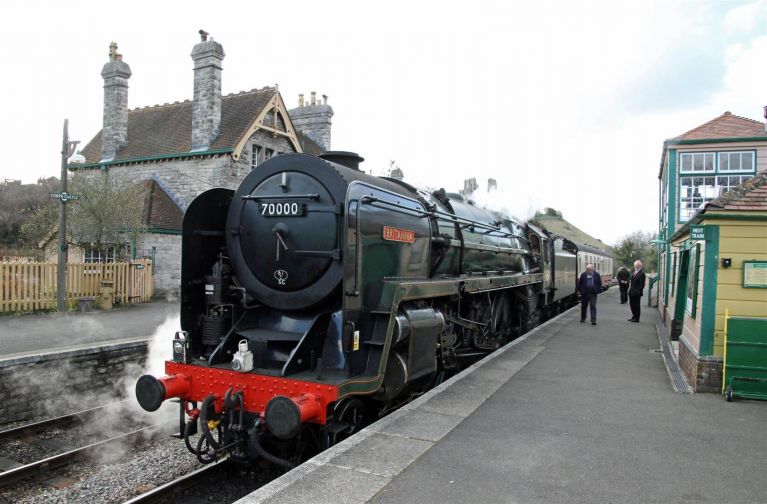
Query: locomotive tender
316	297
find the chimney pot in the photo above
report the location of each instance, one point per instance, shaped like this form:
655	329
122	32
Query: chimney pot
206	105
314	98
301	100
324	99
114	133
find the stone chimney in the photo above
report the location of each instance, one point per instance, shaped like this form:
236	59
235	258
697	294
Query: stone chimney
206	106
114	133
313	119
492	185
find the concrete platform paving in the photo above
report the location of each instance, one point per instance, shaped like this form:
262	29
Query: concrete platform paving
28	334
570	413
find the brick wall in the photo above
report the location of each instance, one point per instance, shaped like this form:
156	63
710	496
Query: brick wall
64	382
703	373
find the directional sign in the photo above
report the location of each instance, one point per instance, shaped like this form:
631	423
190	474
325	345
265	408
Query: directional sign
65	196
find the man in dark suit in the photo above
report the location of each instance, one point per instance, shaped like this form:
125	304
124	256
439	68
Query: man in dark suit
623	283
589	285
636	289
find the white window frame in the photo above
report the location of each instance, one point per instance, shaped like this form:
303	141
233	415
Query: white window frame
90	257
682	156
721	154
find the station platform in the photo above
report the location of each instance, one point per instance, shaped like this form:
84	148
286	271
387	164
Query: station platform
38	333
568	413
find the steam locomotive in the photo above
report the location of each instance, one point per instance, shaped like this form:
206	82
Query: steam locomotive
316	298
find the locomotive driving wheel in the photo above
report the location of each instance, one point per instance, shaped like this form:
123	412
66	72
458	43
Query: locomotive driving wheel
349	416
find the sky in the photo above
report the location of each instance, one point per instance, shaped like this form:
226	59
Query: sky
565	103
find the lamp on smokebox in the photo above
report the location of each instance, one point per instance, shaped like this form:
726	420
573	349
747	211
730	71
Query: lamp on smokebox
180	347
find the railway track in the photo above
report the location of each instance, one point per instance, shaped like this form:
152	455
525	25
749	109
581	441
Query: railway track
169	491
43	468
77	418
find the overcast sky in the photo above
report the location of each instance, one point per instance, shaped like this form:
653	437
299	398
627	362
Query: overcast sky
565	103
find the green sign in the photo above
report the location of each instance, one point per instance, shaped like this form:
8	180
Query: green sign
64	196
698	233
755	274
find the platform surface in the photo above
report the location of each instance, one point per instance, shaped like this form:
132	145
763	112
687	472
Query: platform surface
35	333
574	413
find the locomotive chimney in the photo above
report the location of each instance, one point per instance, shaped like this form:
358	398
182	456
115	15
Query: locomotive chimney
344	158
313	119
114	133
206	106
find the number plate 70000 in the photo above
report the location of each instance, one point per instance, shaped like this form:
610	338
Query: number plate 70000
282	209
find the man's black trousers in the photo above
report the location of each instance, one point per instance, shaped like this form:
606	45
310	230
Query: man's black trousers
589	299
635	302
624	293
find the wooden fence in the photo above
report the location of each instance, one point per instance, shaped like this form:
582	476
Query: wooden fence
32	286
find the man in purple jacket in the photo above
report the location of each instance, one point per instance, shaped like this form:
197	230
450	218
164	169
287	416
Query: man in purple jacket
589	286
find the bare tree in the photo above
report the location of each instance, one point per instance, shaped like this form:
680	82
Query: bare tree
637	245
109	211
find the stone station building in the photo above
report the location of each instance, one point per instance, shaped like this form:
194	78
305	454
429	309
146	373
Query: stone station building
181	149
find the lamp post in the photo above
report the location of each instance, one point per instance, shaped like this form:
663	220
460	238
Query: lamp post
67	149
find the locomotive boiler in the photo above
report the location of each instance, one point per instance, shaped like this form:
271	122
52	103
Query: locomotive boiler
316	298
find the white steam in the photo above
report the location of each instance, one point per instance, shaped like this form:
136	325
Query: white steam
159	350
517	202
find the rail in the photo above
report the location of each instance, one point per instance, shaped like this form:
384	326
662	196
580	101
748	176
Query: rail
64	420
44	466
178	485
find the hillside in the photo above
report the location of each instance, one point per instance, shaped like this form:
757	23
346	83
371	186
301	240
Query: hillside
553	221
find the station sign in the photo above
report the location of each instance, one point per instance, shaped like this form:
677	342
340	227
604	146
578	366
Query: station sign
698	233
64	196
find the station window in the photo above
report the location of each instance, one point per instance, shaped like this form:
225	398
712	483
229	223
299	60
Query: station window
96	255
697	162
708	175
736	161
255	157
268	154
695	191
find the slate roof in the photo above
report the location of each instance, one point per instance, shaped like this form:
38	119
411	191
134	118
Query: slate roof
160	211
750	195
167	129
726	125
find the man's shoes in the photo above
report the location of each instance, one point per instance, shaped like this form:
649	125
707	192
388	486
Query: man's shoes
632	319
593	322
583	320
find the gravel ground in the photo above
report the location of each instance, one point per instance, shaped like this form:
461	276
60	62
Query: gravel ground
60	439
128	474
